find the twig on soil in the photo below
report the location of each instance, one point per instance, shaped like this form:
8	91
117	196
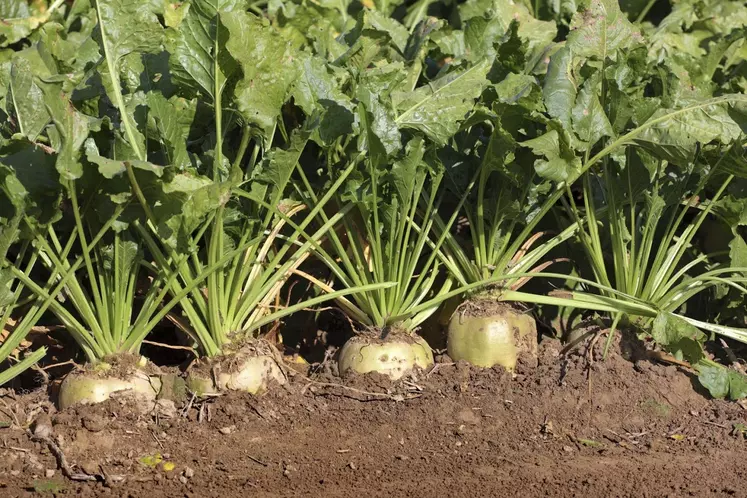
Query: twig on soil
189	405
437	366
22	450
357	395
256	410
155	438
713	424
257	460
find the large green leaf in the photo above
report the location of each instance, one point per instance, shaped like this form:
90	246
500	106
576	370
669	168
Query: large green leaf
589	119
438	108
680	338
560	87
601	30
200	65
172	120
677	139
19	19
270	68
318	91
26	98
722	382
29	178
559	163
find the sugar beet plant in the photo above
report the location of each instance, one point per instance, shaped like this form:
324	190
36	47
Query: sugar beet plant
650	190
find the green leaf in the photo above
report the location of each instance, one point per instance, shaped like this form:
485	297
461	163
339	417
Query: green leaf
560	87
589	119
722	382
677	139
381	136
404	172
601	30
317	91
560	163
26	96
128	28
270	68
19	19
173	119
29	177
110	168
681	339
125	31
738	252
521	89
198	59
437	109
72	129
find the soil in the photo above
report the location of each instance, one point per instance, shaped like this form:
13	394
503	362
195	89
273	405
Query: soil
485	307
573	426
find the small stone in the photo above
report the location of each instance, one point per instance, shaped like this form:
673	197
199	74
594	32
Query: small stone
568	449
183	479
49	473
402	457
352	466
189	473
227	430
15	473
43	426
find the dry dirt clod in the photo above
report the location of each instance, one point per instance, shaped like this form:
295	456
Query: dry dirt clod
227	430
95	422
49	473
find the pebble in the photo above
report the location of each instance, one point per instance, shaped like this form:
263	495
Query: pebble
49	473
189	473
43	426
227	430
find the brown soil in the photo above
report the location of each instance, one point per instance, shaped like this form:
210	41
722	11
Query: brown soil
571	427
485	307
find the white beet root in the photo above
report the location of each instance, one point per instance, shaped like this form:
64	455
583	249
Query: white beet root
394	356
496	338
87	387
252	369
